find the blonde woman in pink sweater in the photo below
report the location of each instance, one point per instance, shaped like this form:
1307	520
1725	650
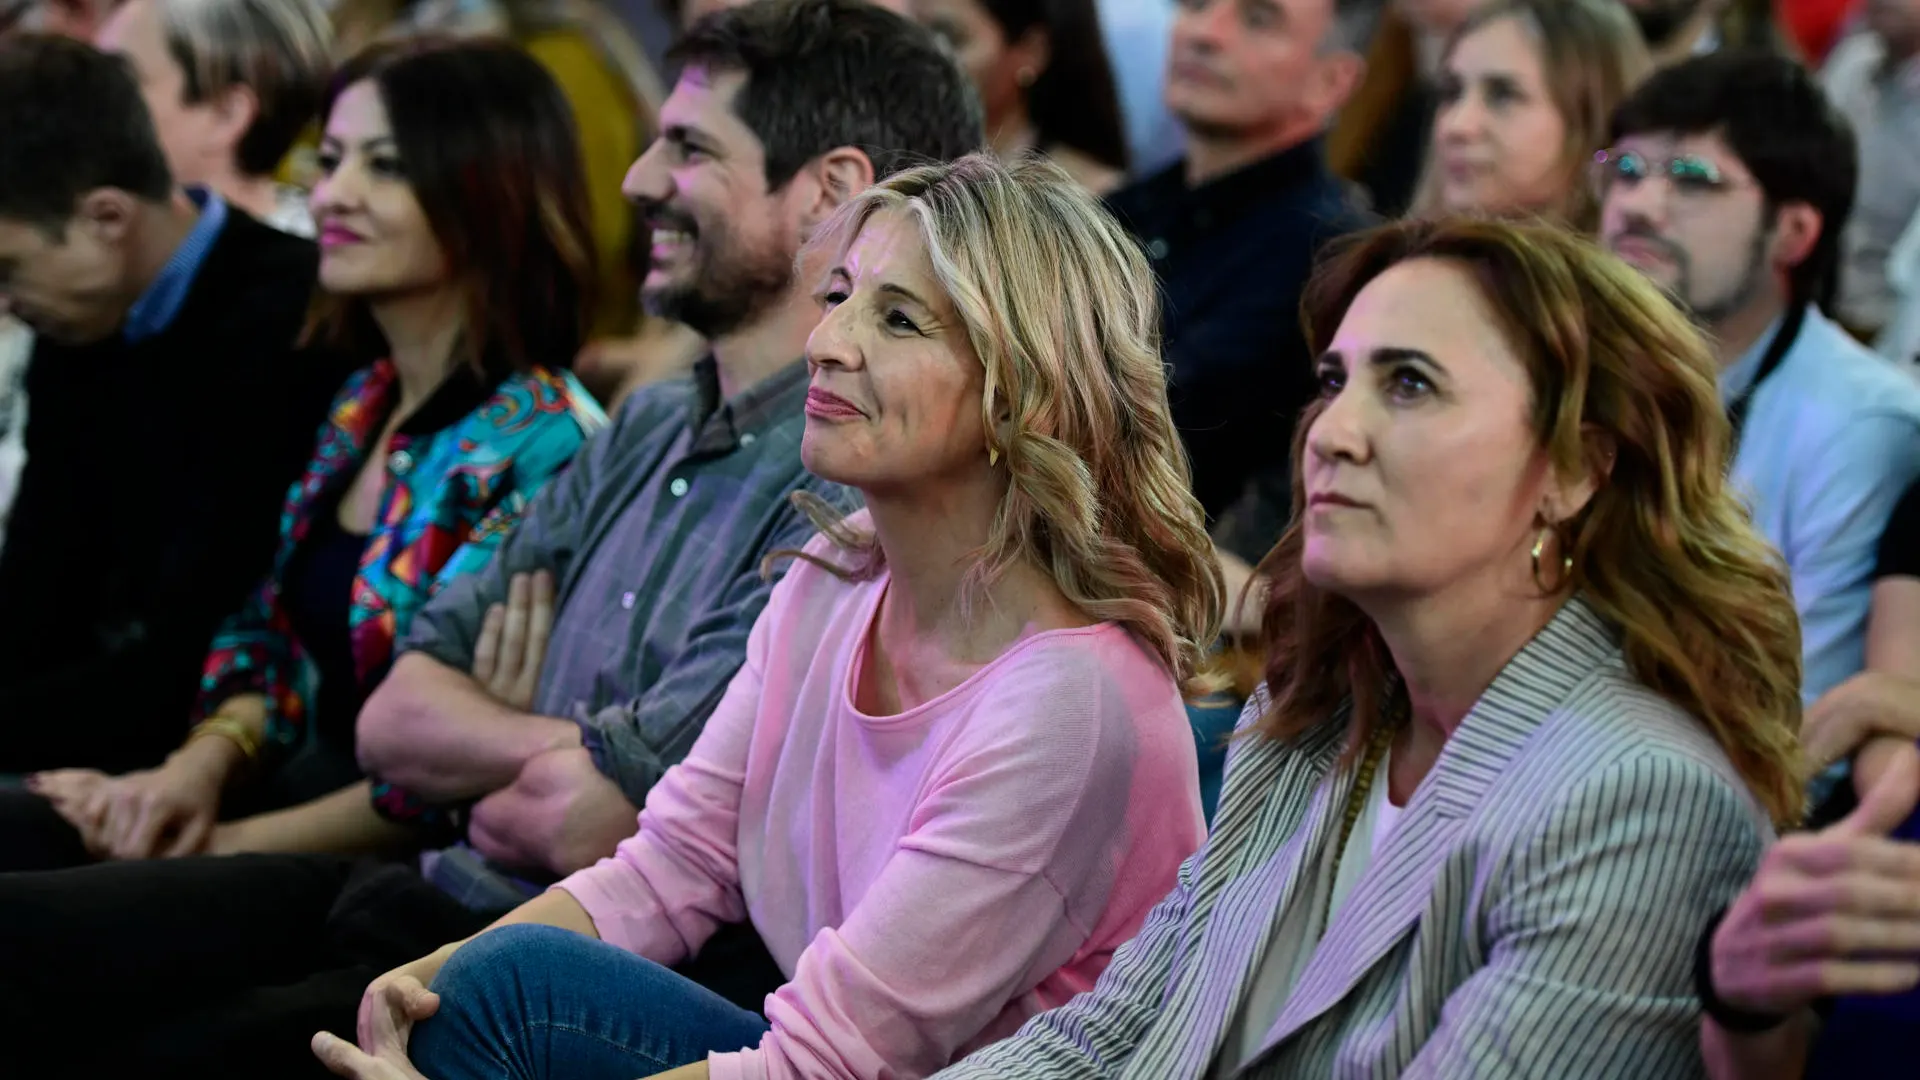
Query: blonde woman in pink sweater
955	771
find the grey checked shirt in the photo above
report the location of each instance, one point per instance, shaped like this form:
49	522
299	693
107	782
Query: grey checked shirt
655	538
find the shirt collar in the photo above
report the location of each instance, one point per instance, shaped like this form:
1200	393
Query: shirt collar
1227	197
719	426
1737	376
156	308
459	394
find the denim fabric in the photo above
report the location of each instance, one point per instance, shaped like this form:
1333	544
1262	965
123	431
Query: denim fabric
1213	719
539	1003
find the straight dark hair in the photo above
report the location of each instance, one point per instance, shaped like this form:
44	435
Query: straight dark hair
487	143
1073	101
1778	121
828	73
71	121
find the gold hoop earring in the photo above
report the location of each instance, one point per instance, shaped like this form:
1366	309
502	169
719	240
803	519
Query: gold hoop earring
1566	561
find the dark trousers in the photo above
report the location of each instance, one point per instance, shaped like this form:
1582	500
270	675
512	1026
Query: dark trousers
33	835
210	967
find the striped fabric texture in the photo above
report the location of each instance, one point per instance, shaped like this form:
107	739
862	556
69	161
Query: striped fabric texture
1532	914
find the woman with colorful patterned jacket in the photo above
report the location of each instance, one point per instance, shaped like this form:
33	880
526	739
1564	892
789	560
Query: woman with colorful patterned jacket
455	244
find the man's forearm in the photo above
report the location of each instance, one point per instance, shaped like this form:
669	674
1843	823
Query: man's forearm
1780	1054
437	733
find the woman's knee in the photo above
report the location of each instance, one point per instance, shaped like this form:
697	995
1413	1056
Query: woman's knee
511	957
523	1000
488	993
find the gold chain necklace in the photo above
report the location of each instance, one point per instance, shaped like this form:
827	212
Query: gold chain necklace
1377	746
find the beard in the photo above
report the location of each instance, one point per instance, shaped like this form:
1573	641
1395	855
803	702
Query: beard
1703	308
1710	310
1659	20
726	284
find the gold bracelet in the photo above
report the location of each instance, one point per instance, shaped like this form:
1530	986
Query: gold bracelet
232	730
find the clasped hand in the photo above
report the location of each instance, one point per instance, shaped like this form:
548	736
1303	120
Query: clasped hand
391	1006
154	813
1831	913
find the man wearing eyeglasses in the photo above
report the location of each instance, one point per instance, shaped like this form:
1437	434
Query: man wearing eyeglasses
1729	182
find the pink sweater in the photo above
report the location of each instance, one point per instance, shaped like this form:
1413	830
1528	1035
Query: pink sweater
927	881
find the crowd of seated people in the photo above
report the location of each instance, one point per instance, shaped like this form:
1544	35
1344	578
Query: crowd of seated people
1396	558
427	459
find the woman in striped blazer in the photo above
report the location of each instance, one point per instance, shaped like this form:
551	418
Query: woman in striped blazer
1531	699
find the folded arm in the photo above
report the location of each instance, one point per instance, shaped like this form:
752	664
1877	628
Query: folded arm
438	733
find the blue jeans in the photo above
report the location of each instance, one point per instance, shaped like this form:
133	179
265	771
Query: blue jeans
540	1003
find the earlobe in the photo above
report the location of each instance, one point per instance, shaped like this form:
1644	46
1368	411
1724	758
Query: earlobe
1800	226
107	213
1565	500
1340	76
842	173
235	110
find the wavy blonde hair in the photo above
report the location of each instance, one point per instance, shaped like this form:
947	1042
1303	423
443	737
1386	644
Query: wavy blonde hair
1059	305
1593	57
1664	551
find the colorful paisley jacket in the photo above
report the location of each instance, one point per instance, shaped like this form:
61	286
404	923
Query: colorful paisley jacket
460	473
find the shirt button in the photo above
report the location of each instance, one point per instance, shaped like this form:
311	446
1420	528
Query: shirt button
747	439
627	600
678	487
1156	248
400	462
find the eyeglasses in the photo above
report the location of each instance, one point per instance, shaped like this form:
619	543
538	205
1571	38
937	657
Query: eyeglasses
1691	178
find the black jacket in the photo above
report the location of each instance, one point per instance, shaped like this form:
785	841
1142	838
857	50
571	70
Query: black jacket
149	505
1232	256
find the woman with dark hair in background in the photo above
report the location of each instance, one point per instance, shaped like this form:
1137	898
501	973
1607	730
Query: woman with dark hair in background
454	247
613	92
1044	80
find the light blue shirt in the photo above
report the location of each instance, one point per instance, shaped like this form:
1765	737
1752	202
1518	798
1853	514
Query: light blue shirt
1832	441
1138	35
156	308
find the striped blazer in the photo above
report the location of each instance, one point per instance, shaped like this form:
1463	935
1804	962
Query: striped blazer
1533	912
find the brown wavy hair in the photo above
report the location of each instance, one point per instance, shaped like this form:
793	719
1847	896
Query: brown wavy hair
1665	551
1059	305
1593	57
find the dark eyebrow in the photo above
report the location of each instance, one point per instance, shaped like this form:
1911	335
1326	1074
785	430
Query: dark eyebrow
1386	356
1396	354
375	143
